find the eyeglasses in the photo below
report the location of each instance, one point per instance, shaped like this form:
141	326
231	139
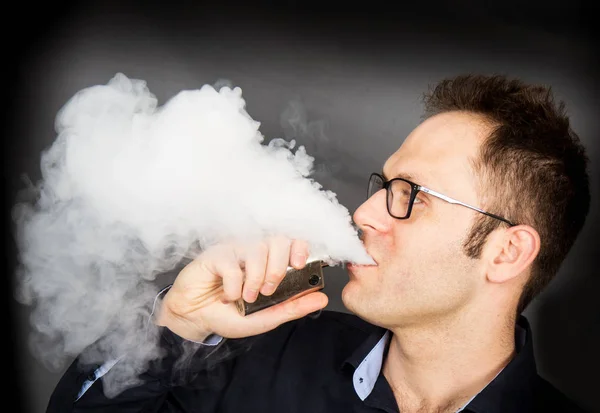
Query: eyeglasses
401	194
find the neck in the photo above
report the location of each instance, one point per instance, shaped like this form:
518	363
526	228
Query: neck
440	365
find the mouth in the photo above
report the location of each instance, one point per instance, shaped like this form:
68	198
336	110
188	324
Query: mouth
362	264
361	236
353	266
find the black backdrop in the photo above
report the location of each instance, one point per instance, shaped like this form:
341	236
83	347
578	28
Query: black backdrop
360	67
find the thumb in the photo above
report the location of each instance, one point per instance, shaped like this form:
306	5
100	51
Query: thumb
272	317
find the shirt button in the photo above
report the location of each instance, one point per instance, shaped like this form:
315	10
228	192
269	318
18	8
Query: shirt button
91	376
360	379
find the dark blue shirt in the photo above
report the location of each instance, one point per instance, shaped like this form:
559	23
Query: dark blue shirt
304	366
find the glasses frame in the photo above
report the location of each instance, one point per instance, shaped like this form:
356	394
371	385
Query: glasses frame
415	188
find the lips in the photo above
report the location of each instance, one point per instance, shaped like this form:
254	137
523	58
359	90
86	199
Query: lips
353	266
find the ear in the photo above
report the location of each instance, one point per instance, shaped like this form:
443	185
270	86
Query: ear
511	252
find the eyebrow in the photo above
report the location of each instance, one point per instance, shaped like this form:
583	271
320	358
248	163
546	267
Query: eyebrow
414	178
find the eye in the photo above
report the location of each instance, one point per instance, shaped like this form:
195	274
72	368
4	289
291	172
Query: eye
418	200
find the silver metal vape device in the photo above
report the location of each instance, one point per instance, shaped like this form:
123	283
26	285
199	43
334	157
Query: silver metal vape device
296	283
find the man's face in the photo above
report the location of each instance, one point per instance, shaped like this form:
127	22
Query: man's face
422	273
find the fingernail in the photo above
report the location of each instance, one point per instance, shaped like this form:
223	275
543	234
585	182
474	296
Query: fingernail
267	288
298	259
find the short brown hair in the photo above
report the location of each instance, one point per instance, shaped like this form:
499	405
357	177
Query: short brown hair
532	167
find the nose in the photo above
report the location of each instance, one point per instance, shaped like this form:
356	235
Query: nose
372	215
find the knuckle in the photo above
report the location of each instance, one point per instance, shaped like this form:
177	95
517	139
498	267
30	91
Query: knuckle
280	240
300	246
254	287
231	293
262	248
232	286
232	296
253	282
253	275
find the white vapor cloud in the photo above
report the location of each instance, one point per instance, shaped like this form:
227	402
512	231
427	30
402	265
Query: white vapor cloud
130	188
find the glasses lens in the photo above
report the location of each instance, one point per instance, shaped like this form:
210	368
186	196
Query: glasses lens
375	185
399	201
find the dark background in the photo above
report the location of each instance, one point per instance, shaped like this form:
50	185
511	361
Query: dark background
357	70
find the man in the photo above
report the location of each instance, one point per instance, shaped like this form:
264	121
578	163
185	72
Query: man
467	222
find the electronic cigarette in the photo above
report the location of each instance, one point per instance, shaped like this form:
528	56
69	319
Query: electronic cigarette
296	283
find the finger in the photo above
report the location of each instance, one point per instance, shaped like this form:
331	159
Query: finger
272	317
299	254
222	262
228	268
255	267
277	264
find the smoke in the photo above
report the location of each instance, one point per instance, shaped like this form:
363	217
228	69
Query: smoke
129	189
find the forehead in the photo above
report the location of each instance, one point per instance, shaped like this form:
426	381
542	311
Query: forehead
440	150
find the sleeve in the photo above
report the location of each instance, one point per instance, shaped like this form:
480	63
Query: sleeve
80	389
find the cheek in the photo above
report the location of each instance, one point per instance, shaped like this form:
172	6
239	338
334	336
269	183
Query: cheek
419	253
422	256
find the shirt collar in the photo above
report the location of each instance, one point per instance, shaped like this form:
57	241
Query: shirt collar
514	379
366	374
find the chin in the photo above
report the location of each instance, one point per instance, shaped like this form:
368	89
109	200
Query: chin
348	293
365	313
353	295
371	306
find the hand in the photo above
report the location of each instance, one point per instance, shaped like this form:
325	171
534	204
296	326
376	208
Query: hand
202	299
